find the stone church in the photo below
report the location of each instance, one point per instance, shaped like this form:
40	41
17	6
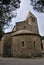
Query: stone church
23	41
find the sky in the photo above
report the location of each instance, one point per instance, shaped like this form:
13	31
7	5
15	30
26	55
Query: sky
22	13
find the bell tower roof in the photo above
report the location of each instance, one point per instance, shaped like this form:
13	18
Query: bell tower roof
30	15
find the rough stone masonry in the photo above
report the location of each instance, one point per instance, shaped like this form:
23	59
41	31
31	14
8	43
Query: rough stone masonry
23	41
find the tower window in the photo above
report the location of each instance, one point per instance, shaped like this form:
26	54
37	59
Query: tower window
24	27
34	44
22	43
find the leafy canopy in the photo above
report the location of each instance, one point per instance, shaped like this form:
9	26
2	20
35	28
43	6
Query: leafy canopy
38	5
6	12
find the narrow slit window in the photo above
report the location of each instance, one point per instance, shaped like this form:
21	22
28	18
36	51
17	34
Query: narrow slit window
34	44
22	43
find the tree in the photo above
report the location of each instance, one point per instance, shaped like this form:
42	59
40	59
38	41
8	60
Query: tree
38	5
1	32
6	12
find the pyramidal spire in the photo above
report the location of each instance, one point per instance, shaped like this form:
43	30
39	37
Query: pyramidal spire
30	15
32	21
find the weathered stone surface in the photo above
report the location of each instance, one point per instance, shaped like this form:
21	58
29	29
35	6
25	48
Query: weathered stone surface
23	41
29	46
32	21
43	44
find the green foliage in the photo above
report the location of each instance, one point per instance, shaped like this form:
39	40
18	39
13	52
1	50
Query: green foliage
6	9
1	34
42	37
6	2
38	5
6	12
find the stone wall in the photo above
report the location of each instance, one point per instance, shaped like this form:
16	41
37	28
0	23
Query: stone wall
25	45
43	44
4	43
32	20
22	26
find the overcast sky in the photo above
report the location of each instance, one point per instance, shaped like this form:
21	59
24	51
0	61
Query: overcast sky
22	13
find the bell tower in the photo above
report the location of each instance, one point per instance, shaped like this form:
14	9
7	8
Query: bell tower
32	21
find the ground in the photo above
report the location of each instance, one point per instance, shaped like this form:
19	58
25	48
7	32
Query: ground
19	61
